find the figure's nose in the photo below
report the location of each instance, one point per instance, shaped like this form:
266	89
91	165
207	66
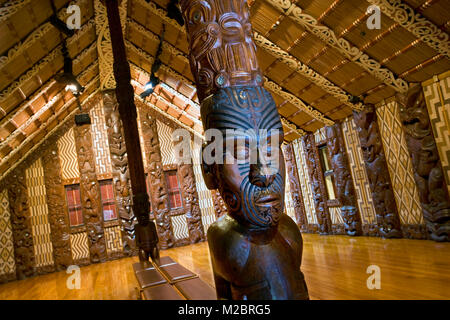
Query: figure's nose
260	175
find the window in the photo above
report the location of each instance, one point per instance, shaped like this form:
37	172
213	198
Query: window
327	172
173	186
73	199
108	202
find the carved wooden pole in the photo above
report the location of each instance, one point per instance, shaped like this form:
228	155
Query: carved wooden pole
345	191
388	220
426	163
318	185
120	173
297	196
146	230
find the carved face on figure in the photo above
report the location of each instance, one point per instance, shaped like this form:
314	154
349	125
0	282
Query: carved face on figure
253	189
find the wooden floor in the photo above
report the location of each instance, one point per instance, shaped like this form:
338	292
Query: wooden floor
334	267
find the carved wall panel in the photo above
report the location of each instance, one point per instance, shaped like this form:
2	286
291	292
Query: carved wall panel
40	226
359	178
317	184
191	203
388	221
400	170
288	202
345	192
210	202
165	143
158	188
180	227
437	97
57	211
100	140
90	194
7	262
113	240
305	183
294	187
21	226
68	156
120	173
428	173
228	55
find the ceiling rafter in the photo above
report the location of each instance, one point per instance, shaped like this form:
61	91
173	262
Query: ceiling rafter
270	85
304	70
414	22
342	45
53	118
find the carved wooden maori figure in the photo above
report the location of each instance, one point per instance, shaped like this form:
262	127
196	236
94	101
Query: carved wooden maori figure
345	191
296	191
158	187
427	167
255	249
58	219
378	174
317	184
90	194
220	207
121	177
21	226
191	205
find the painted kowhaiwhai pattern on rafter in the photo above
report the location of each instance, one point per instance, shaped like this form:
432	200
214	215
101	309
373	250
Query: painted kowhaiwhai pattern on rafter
437	97
399	164
68	156
100	140
303	175
40	226
358	171
7	262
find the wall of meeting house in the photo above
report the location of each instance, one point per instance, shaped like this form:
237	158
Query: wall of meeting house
36	236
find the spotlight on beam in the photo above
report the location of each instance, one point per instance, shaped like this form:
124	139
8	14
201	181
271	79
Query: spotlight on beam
67	78
150	86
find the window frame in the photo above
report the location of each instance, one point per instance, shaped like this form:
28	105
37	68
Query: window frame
108	202
327	173
169	190
76	208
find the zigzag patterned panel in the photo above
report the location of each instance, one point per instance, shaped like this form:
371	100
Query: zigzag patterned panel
7	262
335	214
166	144
437	97
399	164
40	226
205	198
180	227
68	156
100	140
359	174
305	182
113	239
79	246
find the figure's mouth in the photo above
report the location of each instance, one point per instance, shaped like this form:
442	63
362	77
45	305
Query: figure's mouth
268	200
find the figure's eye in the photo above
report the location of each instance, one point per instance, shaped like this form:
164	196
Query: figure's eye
241	153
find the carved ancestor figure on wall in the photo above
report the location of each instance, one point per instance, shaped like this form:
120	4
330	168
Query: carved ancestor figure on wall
345	191
256	249
427	168
378	174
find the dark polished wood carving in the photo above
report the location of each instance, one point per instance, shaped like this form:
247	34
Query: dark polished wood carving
21	226
220	207
296	192
158	188
121	177
317	184
90	194
345	191
222	51
57	213
255	249
427	167
388	221
191	205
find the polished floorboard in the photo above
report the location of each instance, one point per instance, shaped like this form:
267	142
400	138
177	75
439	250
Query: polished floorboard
335	267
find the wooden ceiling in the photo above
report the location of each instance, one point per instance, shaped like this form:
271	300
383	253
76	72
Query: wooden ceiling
314	53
